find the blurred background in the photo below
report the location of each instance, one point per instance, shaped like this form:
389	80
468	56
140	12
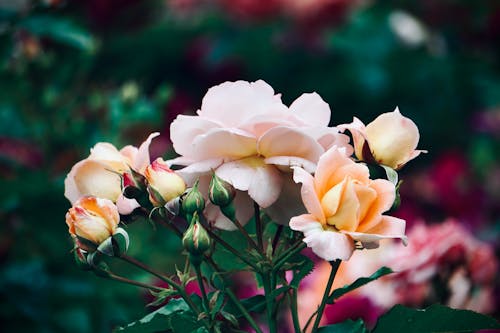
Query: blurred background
73	73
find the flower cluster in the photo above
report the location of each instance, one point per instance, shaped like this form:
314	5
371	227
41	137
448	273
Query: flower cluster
246	156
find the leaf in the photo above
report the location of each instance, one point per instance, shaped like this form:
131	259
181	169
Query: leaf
255	303
358	283
175	316
305	268
60	29
392	174
434	319
348	326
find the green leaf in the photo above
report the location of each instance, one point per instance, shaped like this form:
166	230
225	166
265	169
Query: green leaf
175	316
348	326
305	268
255	303
60	29
392	174
434	319
358	283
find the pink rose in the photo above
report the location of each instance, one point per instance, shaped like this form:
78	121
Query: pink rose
100	174
250	139
390	139
345	206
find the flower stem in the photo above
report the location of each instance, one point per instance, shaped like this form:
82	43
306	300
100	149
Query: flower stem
168	280
271	318
132	282
228	247
294	249
258	227
335	266
244	311
277	237
293	309
199	277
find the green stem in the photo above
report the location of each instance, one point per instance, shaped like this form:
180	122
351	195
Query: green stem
238	225
199	277
296	248
228	247
294	310
132	282
277	237
244	311
258	227
271	318
168	280
335	266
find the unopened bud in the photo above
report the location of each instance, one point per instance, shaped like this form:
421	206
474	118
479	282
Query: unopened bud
193	201
196	239
220	192
115	245
163	183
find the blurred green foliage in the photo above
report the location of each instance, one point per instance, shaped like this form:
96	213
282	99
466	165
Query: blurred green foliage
73	73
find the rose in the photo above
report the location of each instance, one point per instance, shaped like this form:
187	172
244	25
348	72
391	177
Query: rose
344	206
100	174
250	139
390	139
163	183
91	221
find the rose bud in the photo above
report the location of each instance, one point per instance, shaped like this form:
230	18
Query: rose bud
163	183
391	139
220	192
91	221
196	239
193	201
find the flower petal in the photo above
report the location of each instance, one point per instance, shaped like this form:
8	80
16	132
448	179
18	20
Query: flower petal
311	109
388	227
287	141
225	143
329	245
291	161
184	129
357	129
244	211
308	193
262	181
386	194
142	159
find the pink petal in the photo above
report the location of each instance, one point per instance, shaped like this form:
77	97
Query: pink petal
142	159
71	191
125	205
291	161
197	169
244	211
184	129
358	131
388	227
329	245
289	203
225	143
262	181
308	193
232	103
287	141
311	109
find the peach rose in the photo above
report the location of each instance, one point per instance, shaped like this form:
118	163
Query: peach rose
391	139
163	183
99	174
249	137
345	206
91	221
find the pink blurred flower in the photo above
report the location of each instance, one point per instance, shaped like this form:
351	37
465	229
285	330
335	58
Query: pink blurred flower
250	139
345	206
442	263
